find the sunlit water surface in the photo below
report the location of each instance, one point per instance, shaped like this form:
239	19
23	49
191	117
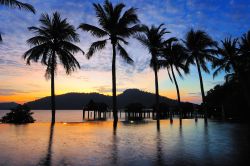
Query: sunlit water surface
95	143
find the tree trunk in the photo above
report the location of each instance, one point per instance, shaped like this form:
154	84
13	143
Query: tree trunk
114	88
177	90
244	83
53	107
157	97
202	88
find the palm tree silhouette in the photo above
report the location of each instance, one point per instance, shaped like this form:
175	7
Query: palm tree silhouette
152	39
17	4
234	60
229	53
175	57
116	27
199	46
244	65
53	41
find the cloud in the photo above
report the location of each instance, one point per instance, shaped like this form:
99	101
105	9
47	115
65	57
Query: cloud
194	93
9	92
107	89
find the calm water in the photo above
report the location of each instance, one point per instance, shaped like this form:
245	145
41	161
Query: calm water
95	143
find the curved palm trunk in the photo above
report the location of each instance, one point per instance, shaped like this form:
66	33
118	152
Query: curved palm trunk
202	87
114	88
53	108
157	97
177	90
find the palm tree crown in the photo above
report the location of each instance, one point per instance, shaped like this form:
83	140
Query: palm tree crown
54	36
198	45
229	53
152	38
114	25
174	55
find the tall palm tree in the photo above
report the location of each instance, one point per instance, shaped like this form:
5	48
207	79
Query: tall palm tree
244	65
17	4
152	39
199	46
114	26
174	57
53	44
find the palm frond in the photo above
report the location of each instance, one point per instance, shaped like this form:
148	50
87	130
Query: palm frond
35	53
37	40
70	47
117	11
101	15
95	31
217	71
129	17
18	4
122	40
124	54
169	75
98	45
127	32
68	60
53	39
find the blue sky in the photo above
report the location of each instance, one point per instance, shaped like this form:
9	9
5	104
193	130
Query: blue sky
220	18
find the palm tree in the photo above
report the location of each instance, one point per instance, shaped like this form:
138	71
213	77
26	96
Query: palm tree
234	60
152	39
174	57
17	4
116	27
244	65
53	42
199	46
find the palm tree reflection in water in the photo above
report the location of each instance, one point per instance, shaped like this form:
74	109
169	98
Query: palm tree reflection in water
159	154
114	148
48	159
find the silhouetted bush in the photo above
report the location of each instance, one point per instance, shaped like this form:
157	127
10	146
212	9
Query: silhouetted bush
19	115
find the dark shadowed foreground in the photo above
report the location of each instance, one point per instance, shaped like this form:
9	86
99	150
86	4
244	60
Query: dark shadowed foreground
95	143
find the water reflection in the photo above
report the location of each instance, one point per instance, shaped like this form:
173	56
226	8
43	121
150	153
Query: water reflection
96	143
114	152
48	159
206	144
159	151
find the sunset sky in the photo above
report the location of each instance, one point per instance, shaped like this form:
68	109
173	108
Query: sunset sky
22	83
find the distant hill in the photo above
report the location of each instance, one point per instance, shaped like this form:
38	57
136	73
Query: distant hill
78	100
7	106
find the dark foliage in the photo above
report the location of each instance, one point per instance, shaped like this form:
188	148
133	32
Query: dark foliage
228	98
19	115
